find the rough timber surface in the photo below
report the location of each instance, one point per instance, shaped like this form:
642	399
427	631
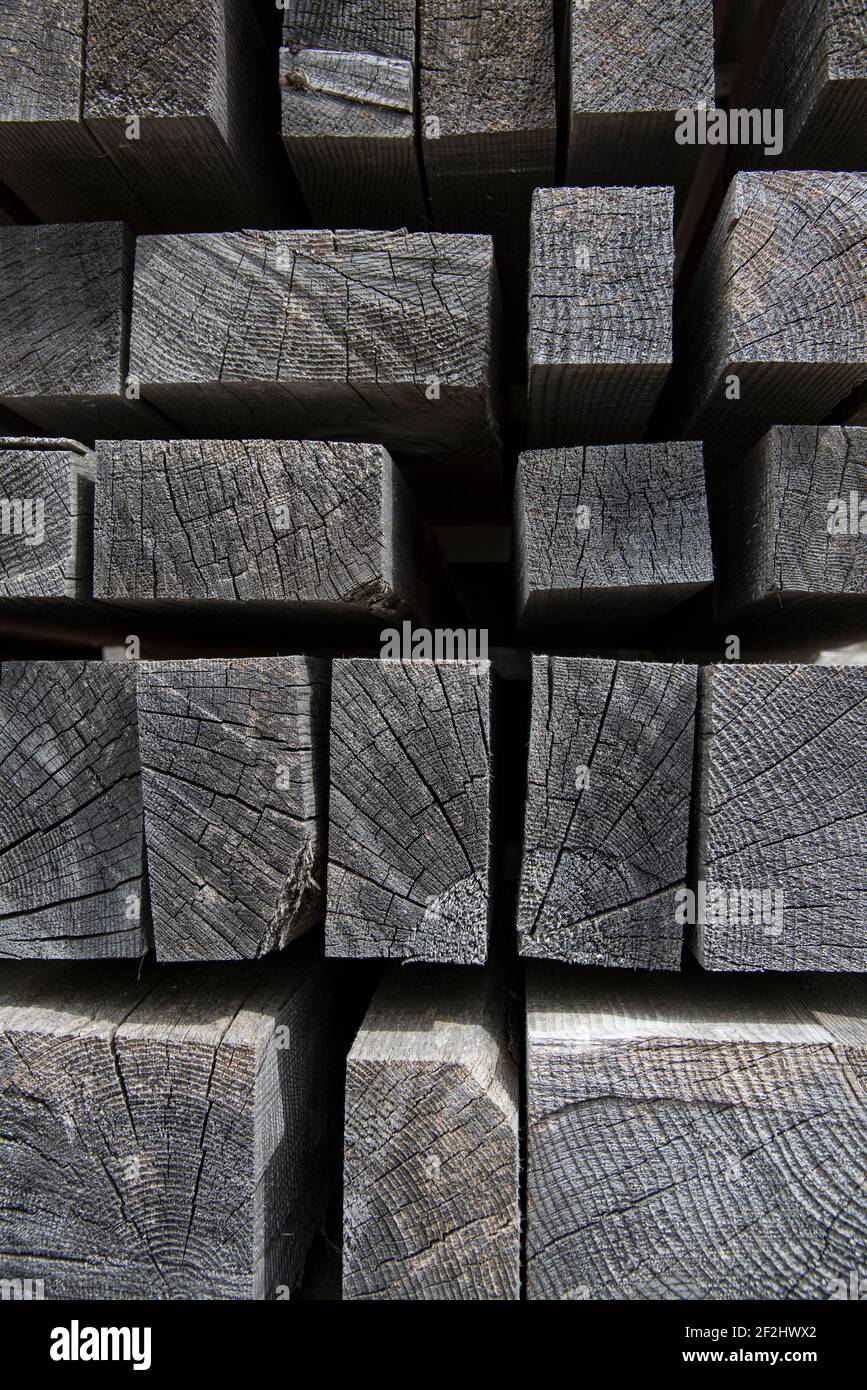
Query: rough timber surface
691	1140
780	793
382	336
46	545
601	287
71	866
607	818
778	302
430	1196
789	535
304	523
233	768
169	1136
348	91
607	537
408	846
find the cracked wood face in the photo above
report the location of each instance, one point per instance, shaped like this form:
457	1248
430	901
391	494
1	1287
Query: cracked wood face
692	1139
382	335
165	1136
600	343
430	1204
232	773
409	811
607	817
608	536
778	302
782	769
253	520
46	545
71	813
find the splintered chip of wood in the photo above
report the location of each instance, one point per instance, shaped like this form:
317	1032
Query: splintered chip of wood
430	1181
233	757
70	811
168	1136
408	843
347	82
630	71
694	1139
46	519
777	326
384	336
607	819
782	832
612	534
790	526
301	522
601	278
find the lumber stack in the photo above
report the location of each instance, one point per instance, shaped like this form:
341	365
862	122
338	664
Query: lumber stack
433	664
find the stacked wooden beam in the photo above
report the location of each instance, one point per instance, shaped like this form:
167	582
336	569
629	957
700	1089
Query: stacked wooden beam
168	1137
608	537
601	268
627	80
309	525
777	318
155	116
693	1140
408	841
381	336
815	72
46	519
348	86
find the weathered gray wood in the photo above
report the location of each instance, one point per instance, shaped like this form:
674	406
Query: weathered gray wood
601	275
693	1139
46	519
789	534
815	70
408	843
347	80
382	336
194	75
70	811
608	536
311	524
233	755
64	297
782	827
607	818
169	1136
48	157
629	71
488	114
778	303
197	74
430	1180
